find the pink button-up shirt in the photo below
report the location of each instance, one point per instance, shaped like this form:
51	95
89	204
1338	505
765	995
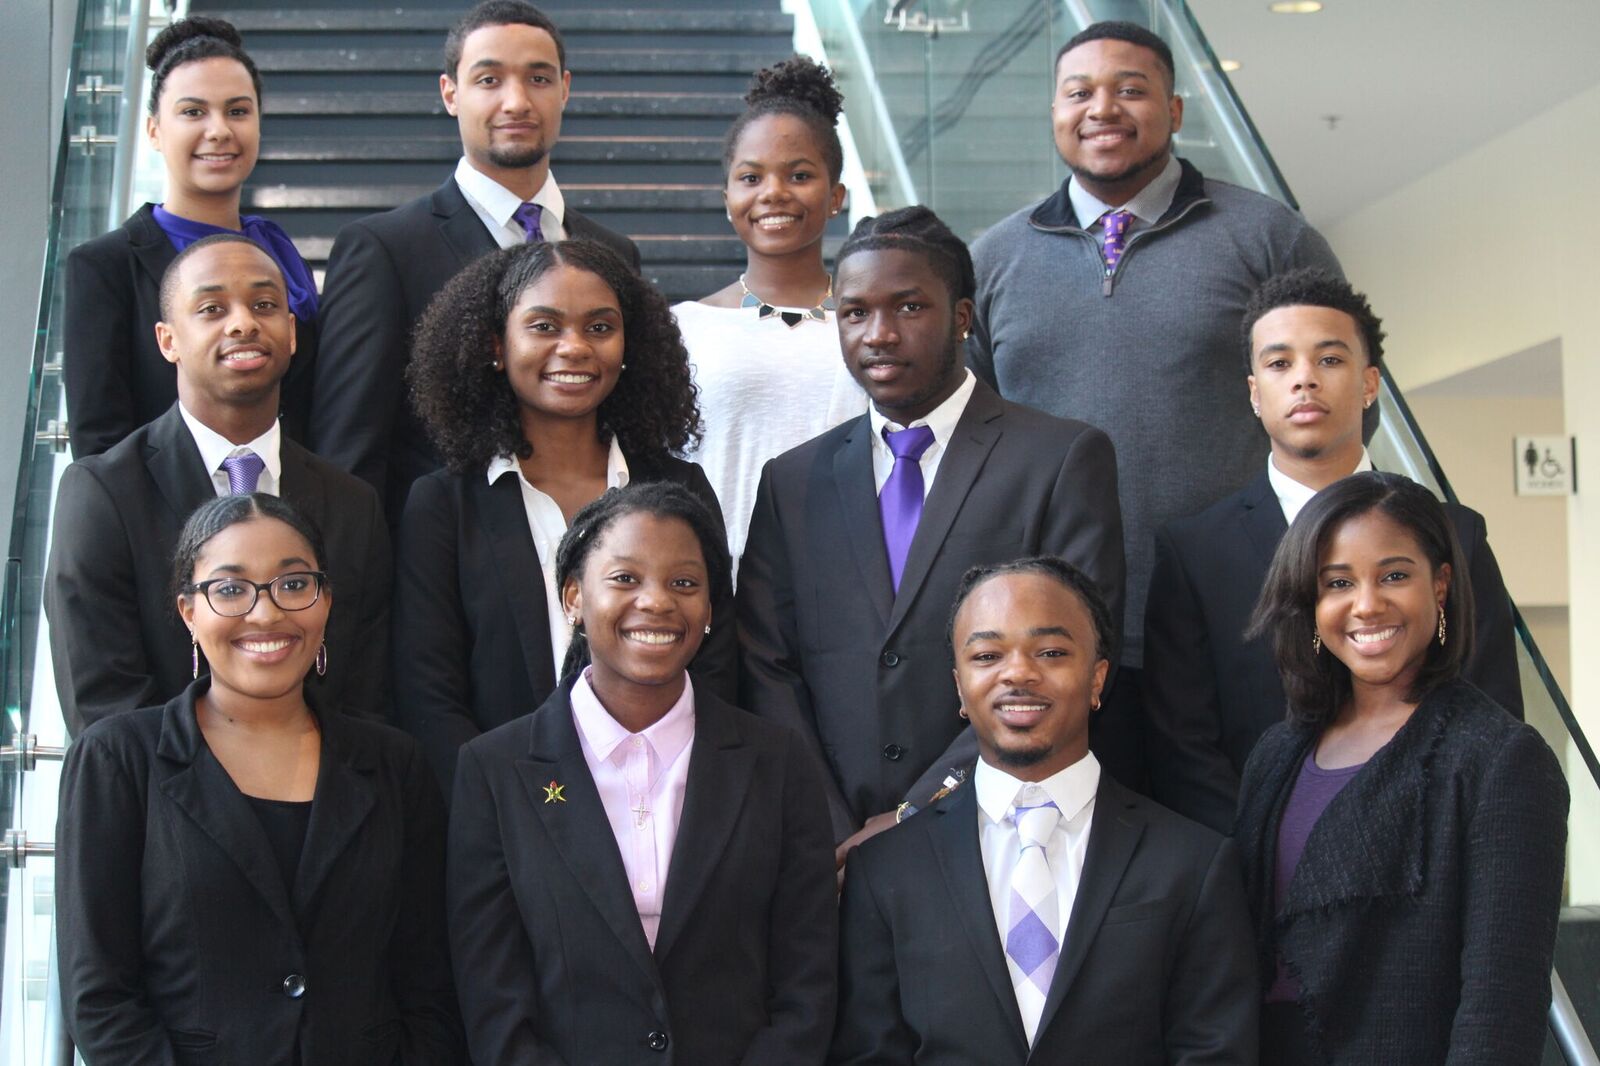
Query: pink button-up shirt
641	778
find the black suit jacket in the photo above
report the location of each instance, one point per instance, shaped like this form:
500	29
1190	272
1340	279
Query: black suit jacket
1210	694
1156	966
115	376
471	628
181	943
864	674
383	272
115	635
1421	919
551	959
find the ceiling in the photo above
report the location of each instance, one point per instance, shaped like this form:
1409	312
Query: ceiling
1415	83
1533	371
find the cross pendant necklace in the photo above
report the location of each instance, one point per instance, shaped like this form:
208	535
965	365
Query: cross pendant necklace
641	811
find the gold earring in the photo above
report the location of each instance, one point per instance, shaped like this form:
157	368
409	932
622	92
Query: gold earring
1316	643
1441	625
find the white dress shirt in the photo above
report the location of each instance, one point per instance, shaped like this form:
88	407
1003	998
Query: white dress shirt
1147	206
214	448
641	779
942	420
1292	496
494	204
548	525
1072	790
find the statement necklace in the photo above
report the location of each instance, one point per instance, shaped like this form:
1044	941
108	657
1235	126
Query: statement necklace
791	318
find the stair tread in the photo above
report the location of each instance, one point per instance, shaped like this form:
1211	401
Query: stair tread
308	58
580	103
571	21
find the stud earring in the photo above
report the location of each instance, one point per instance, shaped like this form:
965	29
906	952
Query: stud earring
1366	405
322	659
1441	625
1255	409
194	655
495	365
1094	704
1316	643
708	629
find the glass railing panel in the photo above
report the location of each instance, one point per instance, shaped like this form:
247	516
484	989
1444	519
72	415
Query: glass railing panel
89	196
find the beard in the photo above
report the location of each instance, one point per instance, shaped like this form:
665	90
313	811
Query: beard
1154	161
519	157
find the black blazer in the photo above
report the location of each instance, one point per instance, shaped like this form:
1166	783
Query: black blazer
471	629
551	959
1210	694
382	273
830	650
115	635
1421	920
1156	966
179	940
115	376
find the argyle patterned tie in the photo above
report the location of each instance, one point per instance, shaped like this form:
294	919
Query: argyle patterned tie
900	502
1116	224
1032	920
244	471
528	214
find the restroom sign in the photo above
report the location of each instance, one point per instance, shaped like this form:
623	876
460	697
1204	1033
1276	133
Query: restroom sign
1546	466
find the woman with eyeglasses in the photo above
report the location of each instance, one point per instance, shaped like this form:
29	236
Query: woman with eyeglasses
241	876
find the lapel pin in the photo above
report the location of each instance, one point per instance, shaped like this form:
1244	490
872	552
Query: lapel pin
552	792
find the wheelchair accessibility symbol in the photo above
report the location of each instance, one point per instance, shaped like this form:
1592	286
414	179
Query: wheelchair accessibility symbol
1545	466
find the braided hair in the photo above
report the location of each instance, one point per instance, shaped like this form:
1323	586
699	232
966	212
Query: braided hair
920	231
192	39
1056	569
659	499
801	87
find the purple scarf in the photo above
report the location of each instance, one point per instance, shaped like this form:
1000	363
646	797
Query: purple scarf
183	232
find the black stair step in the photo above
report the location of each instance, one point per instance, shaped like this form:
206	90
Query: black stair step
302	58
447	148
432	172
680	283
405	128
571	21
612	198
657	248
427	102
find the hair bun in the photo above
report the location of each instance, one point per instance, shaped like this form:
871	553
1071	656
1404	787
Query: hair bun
188	29
799	78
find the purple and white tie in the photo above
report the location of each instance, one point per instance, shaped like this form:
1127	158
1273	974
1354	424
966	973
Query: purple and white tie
528	214
1116	225
1032	919
900	502
244	472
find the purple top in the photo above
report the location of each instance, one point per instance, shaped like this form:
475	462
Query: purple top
183	232
1313	790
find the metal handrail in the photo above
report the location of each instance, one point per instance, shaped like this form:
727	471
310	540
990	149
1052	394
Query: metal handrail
128	116
1567	1027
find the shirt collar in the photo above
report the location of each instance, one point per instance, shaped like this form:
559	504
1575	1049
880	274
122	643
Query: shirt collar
1293	496
499	202
616	467
1069	789
1148	205
667	736
214	447
942	419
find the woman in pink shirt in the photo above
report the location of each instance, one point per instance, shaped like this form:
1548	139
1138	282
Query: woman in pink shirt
638	871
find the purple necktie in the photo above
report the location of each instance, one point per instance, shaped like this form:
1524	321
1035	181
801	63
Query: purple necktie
528	214
1033	915
900	502
1116	224
244	471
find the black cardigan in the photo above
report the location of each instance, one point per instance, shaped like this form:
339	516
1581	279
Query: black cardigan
1421	920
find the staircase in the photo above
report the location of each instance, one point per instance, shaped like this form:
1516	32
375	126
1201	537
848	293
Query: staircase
353	123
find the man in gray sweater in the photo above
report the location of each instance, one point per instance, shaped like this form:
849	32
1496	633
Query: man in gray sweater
1116	301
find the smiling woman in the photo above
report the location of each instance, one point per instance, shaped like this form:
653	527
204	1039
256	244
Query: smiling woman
545	374
205	120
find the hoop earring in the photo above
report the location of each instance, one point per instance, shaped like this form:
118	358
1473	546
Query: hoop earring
1094	704
961	712
322	659
194	656
1441	626
1316	643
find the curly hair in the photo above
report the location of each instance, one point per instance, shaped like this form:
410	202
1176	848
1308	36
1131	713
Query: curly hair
189	40
798	86
918	230
1311	287
1128	33
468	407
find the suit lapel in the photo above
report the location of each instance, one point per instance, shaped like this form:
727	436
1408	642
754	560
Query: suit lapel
205	793
173	459
858	501
1263	520
344	799
953	827
517	562
1113	835
460	225
301	484
720	769
974	438
578	826
151	246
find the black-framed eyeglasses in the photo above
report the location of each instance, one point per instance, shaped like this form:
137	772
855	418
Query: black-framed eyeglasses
232	597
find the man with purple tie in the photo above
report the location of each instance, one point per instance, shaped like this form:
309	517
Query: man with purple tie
859	536
1042	913
506	82
115	638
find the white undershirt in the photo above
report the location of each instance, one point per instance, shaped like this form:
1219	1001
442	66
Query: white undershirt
214	448
494	204
942	420
1293	496
548	525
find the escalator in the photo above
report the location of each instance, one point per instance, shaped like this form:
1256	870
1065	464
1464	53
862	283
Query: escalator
932	90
